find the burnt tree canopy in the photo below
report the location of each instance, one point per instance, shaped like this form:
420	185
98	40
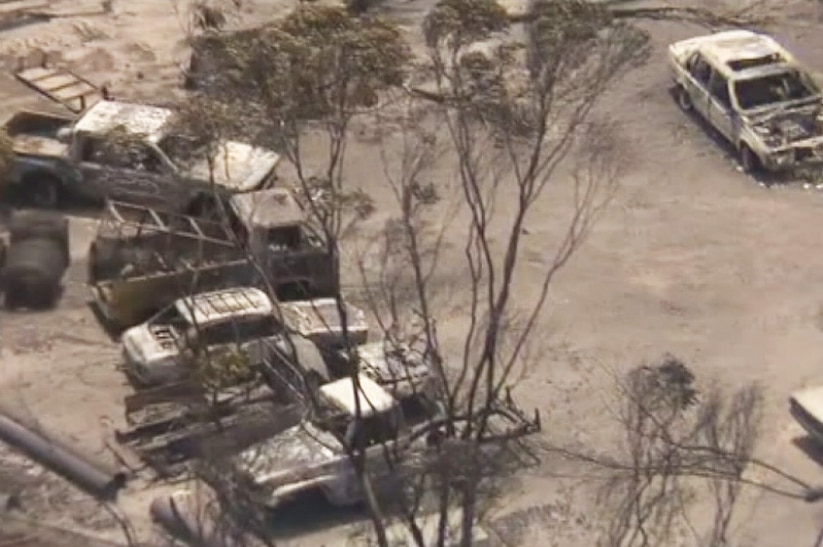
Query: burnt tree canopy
317	62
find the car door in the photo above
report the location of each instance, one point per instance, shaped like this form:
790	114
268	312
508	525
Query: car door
380	457
697	83
215	342
721	114
136	174
254	335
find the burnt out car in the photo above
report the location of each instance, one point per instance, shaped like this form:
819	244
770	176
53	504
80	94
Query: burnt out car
752	90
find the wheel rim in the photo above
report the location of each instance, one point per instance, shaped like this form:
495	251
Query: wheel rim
747	160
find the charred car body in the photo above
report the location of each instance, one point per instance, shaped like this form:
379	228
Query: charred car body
272	227
210	325
142	260
399	368
62	156
320	321
313	454
753	92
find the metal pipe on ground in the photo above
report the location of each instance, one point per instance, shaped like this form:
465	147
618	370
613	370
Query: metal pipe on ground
61	459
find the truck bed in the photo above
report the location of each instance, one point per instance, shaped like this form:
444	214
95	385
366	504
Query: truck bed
32	145
36	133
125	301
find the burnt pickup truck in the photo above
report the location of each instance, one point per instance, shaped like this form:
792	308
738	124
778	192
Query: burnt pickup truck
143	259
60	157
752	91
312	455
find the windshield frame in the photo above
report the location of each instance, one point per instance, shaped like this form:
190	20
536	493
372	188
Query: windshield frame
801	75
198	152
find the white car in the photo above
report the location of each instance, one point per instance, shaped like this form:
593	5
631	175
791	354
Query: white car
753	92
162	349
806	406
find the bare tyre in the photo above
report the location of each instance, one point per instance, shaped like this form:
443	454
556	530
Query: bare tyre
34	297
684	101
33	272
42	191
749	161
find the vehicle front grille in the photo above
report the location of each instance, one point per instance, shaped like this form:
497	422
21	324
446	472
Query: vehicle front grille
803	154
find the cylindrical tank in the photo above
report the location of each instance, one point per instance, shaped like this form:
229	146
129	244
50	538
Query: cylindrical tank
33	272
46	450
27	225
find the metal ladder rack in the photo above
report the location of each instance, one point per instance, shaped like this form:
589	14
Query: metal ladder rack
145	219
62	86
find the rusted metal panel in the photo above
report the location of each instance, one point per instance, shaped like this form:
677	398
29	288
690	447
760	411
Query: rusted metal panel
171	426
124	219
161	394
61	86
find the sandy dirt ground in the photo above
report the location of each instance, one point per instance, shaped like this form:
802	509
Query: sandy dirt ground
692	258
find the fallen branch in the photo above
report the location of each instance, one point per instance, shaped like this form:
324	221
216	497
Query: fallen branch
699	16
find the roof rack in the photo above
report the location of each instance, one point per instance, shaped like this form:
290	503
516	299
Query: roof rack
234	300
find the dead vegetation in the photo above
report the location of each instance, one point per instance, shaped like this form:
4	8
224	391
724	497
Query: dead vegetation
514	121
684	459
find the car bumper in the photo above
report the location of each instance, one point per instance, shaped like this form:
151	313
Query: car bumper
801	158
138	372
131	367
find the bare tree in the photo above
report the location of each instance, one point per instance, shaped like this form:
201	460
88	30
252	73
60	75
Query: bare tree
513	112
679	448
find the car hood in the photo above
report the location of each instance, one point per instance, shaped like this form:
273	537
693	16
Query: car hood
151	343
238	166
786	127
298	449
402	368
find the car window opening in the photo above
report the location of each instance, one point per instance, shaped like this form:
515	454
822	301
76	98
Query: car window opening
773	89
743	64
183	150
